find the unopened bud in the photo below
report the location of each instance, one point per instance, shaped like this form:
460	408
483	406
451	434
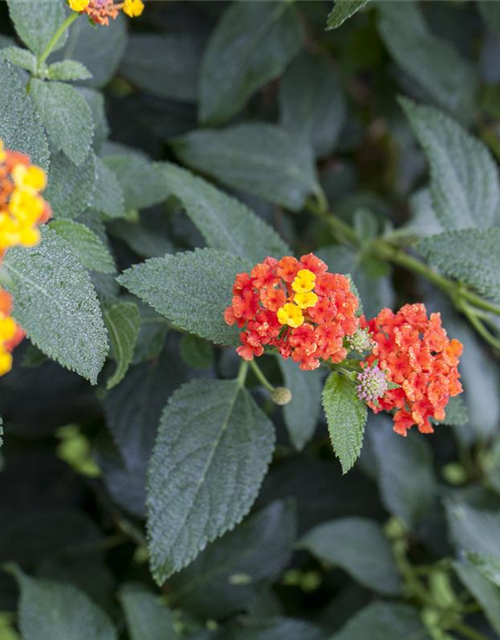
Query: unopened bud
281	395
360	341
372	384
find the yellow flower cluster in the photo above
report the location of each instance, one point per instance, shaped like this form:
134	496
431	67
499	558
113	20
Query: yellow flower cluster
303	298
100	11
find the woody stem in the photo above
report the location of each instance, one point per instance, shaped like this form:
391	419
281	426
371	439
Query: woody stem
53	41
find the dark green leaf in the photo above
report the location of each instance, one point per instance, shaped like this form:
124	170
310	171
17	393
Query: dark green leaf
71	188
87	245
123	321
36	23
490	12
486	593
384	621
141	181
488	566
108	195
342	11
277	629
147	617
474	530
197	353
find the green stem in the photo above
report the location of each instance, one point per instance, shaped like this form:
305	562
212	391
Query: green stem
468	632
53	41
479	326
415	587
242	373
260	376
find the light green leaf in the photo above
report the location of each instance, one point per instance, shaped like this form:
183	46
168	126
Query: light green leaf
358	546
191	289
346	417
225	222
56	304
464	178
448	78
384	621
486	593
470	256
37	22
258	158
108	195
67	70
342	11
474	530
123	321
71	189
93	253
20	57
251	45
211	455
141	181
147	618
197	353
227	576
66	116
59	611
312	102
20	127
302	413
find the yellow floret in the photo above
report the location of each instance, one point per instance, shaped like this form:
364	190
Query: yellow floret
26	206
8	328
5	362
78	5
133	8
29	237
305	300
3	155
31	178
304	281
291	315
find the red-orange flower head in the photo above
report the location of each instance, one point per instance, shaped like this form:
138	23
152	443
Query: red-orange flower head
101	11
416	354
295	306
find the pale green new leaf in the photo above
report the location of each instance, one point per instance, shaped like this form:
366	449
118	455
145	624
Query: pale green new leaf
71	188
225	222
123	321
66	116
384	621
250	46
212	452
87	245
346	416
147	618
67	70
258	158
56	304
108	196
485	592
37	22
20	127
464	178
470	256
59	611
191	289
20	57
141	181
358	546
342	11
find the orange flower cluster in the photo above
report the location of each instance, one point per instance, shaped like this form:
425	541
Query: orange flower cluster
416	354
101	11
295	306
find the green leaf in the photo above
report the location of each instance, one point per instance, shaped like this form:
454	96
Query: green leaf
67	70
342	11
302	413
92	252
470	256
448	78
108	196
191	289
164	65
457	414
225	222
474	530
488	566
147	618
276	629
226	577
37	22
20	127
123	321
486	593
56	304
95	100
346	416
312	102
211	455
384	621
55	610
148	236
358	546
406	479
262	159
141	181
490	12
66	116
71	188
197	353
250	46
464	177
20	57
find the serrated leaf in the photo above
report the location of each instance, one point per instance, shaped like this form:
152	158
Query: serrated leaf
262	159
141	181
123	321
92	252
226	577
342	11
20	57
470	256
66	117
59	611
464	178
71	188
191	289
346	417
487	565
67	70
486	593
358	546
302	413
211	455
312	102
251	45
197	353
147	618
384	621
56	304
95	100
225	222
37	22
108	194
447	77
20	127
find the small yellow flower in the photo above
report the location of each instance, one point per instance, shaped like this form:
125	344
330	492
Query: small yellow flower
133	8
8	328
78	5
25	206
5	362
291	315
31	178
305	300
3	155
304	281
29	236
